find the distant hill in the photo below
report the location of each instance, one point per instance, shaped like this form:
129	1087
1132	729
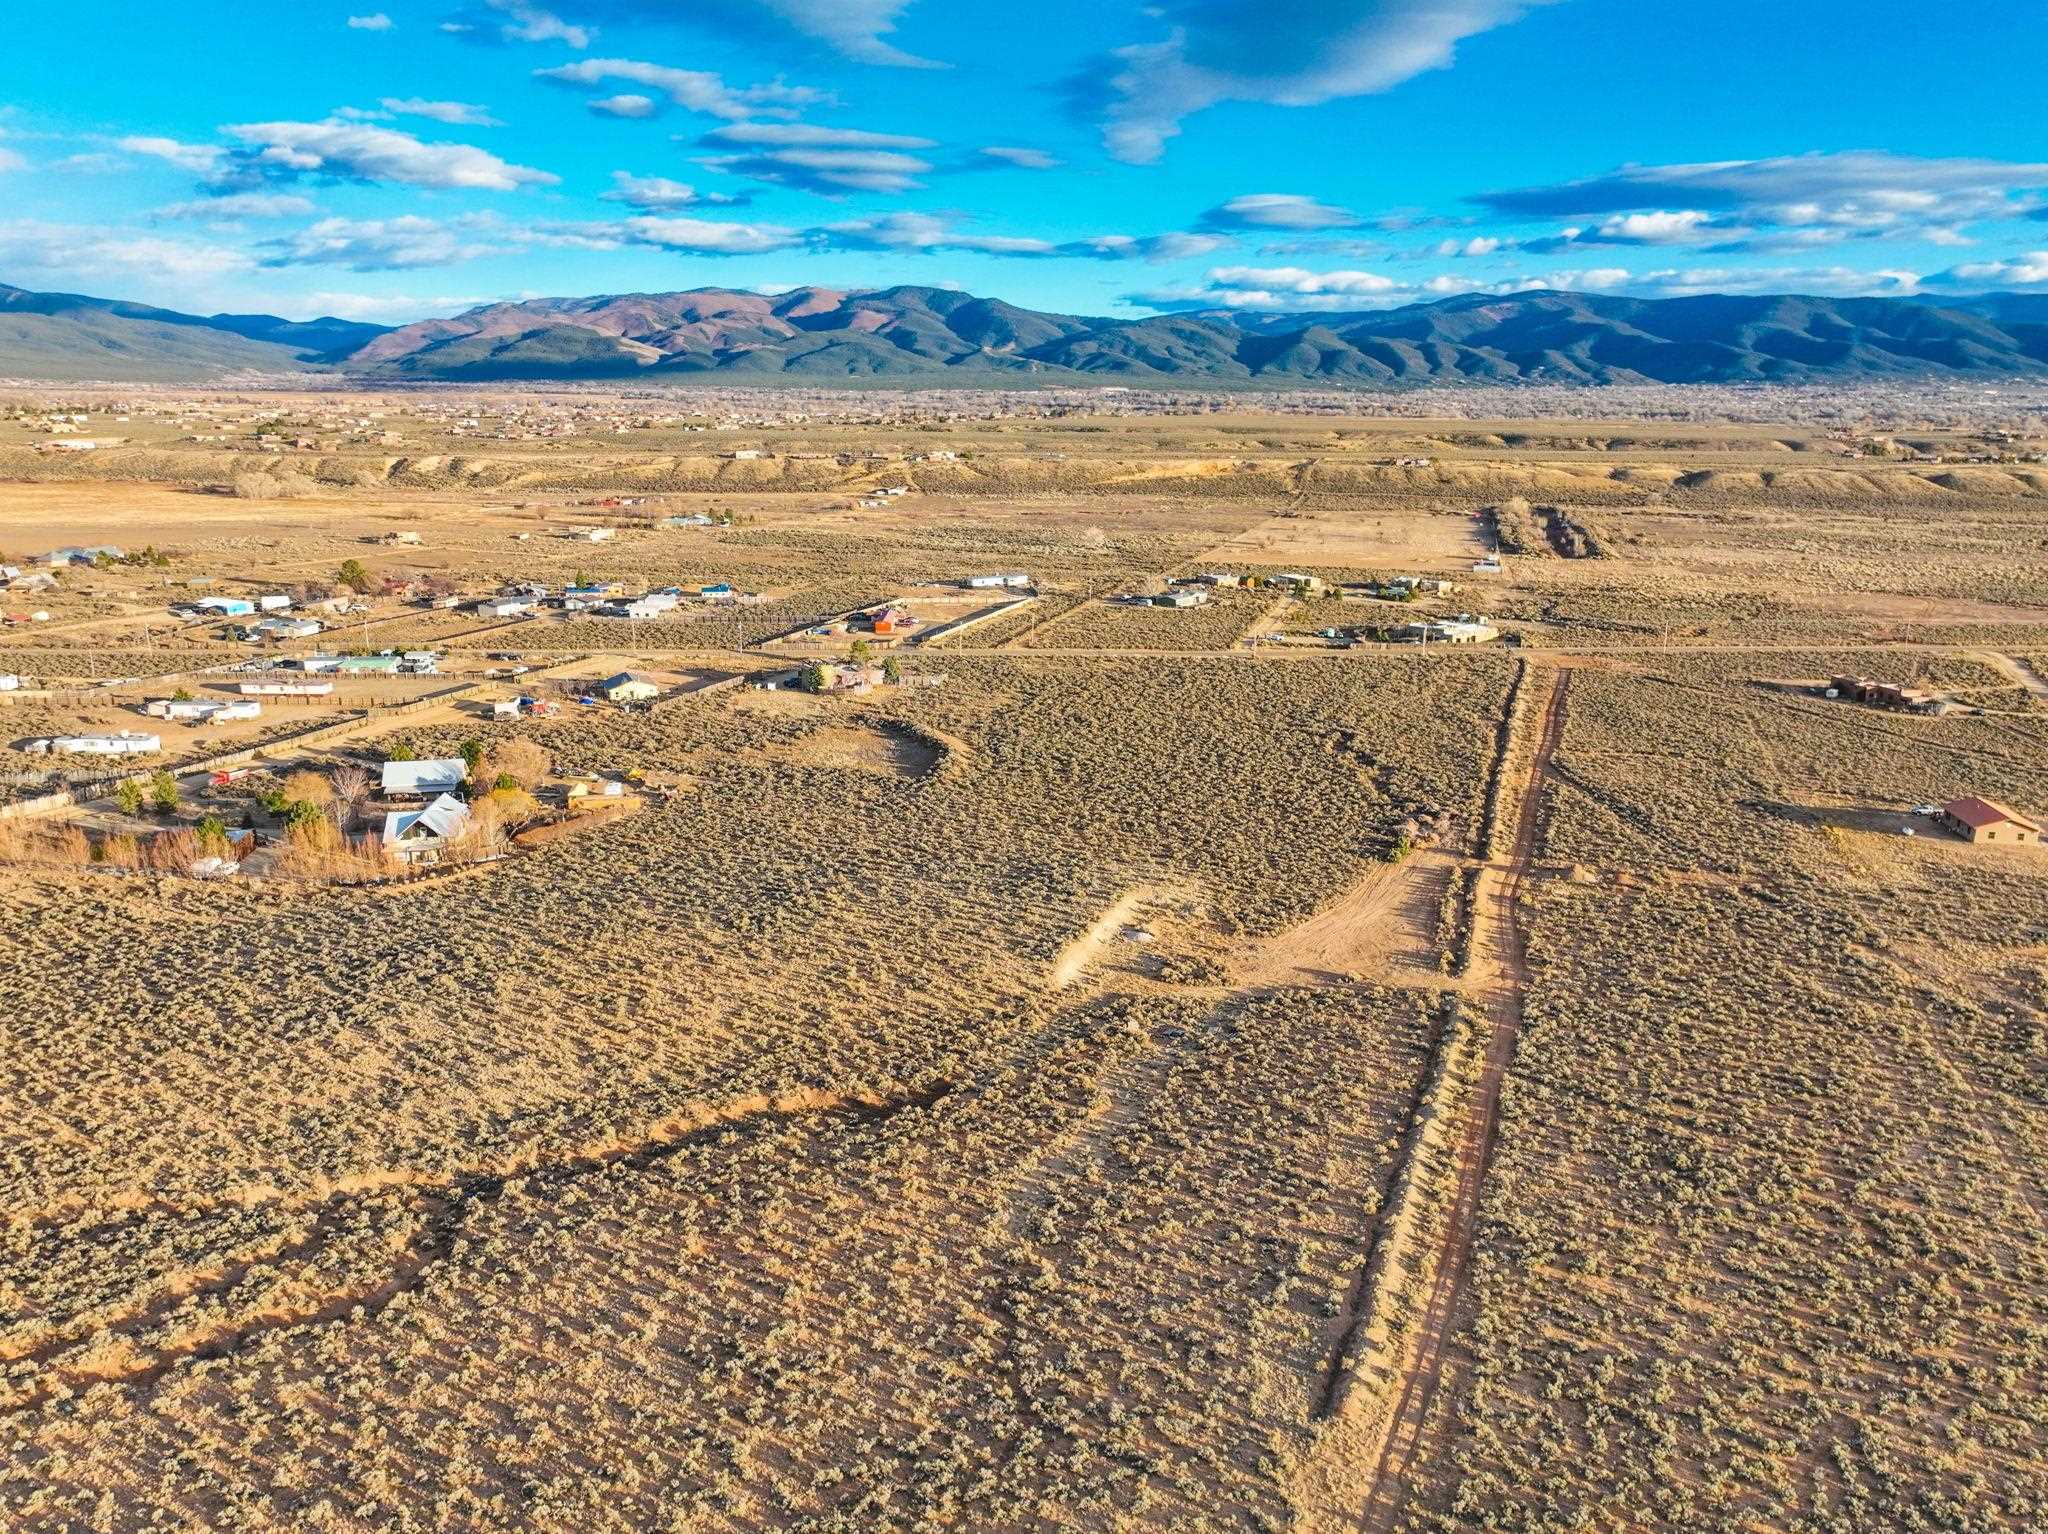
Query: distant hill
934	336
68	337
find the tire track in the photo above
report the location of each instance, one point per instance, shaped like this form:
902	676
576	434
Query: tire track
427	1213
1396	1418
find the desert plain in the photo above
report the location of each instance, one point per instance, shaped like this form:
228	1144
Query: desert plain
1047	1059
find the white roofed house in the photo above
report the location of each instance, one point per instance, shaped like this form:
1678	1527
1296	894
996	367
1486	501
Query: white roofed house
421	835
126	743
423	779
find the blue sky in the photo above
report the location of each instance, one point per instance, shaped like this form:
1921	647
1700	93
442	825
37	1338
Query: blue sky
399	158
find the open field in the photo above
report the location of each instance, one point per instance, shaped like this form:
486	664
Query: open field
1090	1074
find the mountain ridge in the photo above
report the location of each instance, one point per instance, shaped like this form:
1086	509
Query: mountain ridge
933	336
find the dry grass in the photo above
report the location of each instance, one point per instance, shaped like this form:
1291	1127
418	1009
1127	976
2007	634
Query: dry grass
827	1144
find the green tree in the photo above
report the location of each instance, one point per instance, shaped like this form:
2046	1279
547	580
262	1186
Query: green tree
353	575
892	669
212	832
817	678
128	795
861	650
401	751
163	790
472	755
182	695
301	812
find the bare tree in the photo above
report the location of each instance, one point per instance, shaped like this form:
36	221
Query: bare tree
351	785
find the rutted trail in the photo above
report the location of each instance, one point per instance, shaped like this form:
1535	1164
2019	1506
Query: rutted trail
347	1249
1398	1350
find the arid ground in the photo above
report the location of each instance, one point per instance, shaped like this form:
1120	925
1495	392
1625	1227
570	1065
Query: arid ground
1126	1069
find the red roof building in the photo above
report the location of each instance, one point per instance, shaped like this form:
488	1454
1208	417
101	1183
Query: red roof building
1981	820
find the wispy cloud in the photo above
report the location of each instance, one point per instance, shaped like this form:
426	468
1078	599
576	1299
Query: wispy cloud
362	152
397	244
1292	54
627	104
516	21
829	172
2023	271
1022	159
921	231
459	114
378	22
856	28
694	90
1301	290
200	159
703	236
1278	210
658	194
816	158
240	205
1853	189
383	244
76	254
783	135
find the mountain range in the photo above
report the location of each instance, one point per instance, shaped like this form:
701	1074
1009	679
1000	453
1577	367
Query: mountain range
923	336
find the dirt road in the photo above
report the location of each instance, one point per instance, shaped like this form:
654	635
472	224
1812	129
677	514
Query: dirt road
1499	980
2022	671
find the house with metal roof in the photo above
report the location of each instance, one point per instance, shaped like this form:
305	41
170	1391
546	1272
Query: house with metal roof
1986	820
421	835
417	780
629	687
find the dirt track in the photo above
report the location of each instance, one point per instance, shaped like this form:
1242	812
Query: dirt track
1500	978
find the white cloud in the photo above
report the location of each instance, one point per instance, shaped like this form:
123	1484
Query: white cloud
532	24
829	172
1655	228
1292	290
382	245
200	159
785	135
921	231
460	114
240	205
377	308
854	27
1023	159
1279	210
1296	279
1296	54
694	90
1824	282
1854	190
626	104
707	237
1473	249
2025	271
376	23
1149	247
650	194
10	160
369	153
79	255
